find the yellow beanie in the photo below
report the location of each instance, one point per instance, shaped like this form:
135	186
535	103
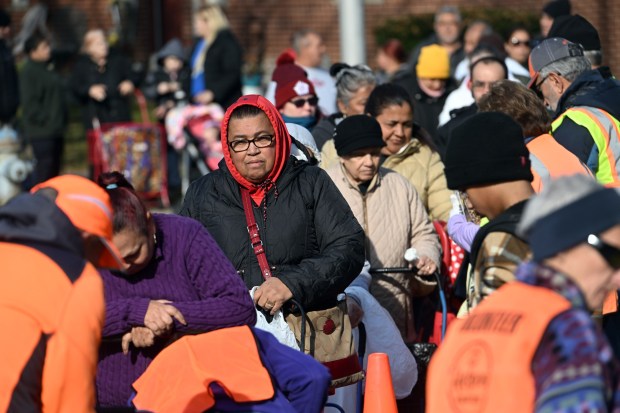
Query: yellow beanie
433	63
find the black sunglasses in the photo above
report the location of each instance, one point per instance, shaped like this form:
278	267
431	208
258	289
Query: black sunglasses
299	103
517	42
609	253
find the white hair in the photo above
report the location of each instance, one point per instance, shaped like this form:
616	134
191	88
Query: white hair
448	10
569	67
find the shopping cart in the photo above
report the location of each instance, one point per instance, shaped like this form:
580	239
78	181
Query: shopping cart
136	149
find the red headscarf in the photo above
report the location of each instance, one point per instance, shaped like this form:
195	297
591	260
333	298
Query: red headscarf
283	145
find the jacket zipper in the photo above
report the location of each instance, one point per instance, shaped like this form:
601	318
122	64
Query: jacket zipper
367	236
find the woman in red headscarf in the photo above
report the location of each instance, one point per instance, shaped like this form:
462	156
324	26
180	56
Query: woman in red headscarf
312	241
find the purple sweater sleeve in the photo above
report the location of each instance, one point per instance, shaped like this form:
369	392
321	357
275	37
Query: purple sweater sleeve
124	313
224	299
462	231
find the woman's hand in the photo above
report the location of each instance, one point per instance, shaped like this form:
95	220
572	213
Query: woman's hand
97	92
425	266
160	317
126	87
204	98
355	312
272	295
138	336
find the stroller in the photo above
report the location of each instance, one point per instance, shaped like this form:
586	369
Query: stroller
137	149
194	132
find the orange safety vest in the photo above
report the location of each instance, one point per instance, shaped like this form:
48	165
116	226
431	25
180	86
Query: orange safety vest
178	379
484	364
51	315
551	160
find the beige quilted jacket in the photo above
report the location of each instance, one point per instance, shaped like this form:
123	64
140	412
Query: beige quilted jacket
393	219
420	165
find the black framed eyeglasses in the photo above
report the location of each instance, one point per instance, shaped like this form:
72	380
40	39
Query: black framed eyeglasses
242	145
299	103
537	87
609	253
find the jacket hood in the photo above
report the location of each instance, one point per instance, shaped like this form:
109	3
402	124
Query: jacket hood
592	89
282	142
172	48
292	169
35	218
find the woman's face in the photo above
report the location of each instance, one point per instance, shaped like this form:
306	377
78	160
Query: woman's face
357	103
136	248
98	47
254	163
201	26
396	126
518	46
300	106
434	85
363	164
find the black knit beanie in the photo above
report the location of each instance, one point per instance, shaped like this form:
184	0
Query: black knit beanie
357	132
487	148
557	8
576	29
5	18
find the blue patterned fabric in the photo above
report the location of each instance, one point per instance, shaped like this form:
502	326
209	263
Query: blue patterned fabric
574	368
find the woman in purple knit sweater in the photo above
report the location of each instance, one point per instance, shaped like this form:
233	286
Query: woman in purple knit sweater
177	280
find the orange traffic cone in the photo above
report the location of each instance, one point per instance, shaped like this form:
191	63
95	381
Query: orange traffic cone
379	394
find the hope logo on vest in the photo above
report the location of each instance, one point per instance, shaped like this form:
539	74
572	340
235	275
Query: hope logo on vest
471	378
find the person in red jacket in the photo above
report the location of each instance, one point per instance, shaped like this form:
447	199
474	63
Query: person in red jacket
51	300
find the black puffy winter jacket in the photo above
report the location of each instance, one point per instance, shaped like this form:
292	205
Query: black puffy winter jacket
311	237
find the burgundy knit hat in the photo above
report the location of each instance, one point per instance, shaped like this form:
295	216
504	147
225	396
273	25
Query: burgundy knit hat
291	81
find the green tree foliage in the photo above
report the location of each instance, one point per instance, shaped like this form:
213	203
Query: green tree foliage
410	29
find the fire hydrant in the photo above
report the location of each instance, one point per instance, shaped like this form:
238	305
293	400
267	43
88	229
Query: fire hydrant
14	169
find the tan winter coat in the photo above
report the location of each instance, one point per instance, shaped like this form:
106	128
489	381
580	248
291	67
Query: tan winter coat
420	165
394	220
424	170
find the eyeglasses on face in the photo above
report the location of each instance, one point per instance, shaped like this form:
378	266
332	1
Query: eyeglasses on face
242	145
610	254
477	84
518	42
299	103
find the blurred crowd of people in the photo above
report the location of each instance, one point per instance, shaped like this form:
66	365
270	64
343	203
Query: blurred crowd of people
472	180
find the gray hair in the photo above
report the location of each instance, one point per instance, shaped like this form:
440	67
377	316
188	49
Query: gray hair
487	28
594	56
298	39
448	10
556	194
350	79
569	67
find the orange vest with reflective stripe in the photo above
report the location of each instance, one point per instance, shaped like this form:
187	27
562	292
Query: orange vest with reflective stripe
484	364
178	379
551	160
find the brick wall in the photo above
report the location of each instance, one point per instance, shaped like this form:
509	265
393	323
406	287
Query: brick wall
264	26
282	18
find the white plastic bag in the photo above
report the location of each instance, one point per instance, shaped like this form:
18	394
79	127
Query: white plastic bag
278	326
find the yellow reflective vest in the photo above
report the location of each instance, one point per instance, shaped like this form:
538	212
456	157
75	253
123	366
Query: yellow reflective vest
605	131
